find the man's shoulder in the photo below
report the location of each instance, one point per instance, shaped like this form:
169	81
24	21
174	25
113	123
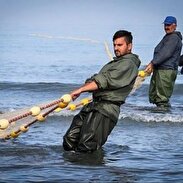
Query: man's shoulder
174	36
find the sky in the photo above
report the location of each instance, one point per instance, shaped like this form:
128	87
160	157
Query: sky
91	13
93	19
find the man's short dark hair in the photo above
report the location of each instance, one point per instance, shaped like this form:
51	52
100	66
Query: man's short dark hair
123	33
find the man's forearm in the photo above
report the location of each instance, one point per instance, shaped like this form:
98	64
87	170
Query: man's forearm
91	86
87	87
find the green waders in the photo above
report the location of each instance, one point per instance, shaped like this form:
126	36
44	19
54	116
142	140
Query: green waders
88	131
161	87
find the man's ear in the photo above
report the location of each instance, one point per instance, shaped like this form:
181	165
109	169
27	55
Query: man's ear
129	47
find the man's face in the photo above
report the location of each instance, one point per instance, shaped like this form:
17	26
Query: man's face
169	28
121	47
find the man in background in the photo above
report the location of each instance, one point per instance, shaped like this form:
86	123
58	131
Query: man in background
164	64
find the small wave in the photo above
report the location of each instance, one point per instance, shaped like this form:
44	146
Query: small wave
136	114
48	86
38	85
144	114
155	118
149	114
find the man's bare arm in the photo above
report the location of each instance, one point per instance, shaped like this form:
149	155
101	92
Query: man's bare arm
92	86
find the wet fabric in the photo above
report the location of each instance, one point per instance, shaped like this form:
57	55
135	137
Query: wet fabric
116	79
161	87
88	131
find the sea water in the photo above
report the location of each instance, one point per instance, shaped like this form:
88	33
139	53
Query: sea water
145	146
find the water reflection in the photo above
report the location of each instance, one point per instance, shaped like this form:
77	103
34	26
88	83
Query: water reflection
95	167
91	159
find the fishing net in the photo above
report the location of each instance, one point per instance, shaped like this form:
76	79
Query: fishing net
12	124
142	75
